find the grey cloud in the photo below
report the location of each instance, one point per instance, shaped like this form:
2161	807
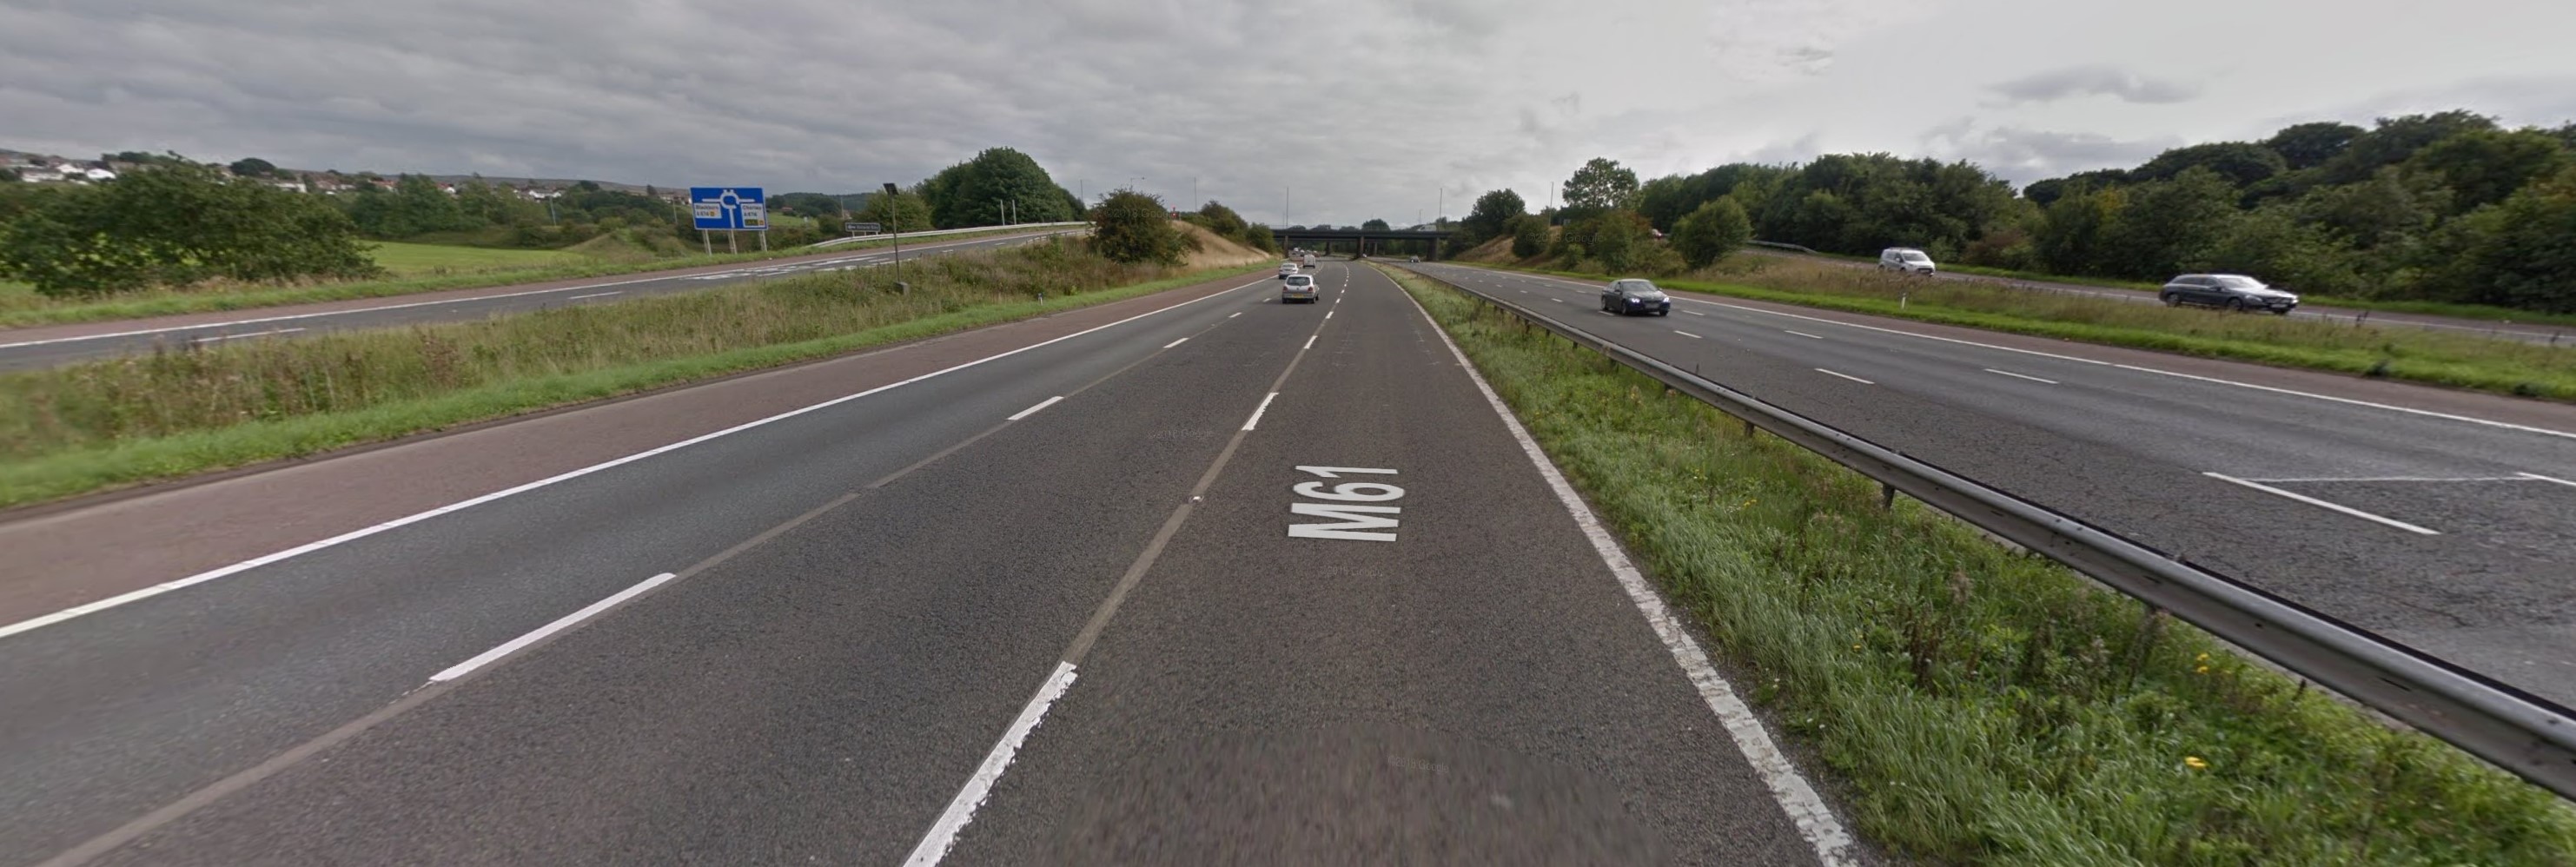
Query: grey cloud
2024	155
2094	80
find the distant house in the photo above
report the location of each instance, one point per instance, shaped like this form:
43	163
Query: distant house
288	184
99	175
39	175
449	189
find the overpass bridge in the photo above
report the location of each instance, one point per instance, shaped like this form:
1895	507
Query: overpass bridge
1370	242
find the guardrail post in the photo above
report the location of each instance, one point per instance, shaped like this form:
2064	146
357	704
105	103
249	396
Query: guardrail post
1886	496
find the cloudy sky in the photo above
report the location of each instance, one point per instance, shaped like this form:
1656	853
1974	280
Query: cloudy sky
1350	109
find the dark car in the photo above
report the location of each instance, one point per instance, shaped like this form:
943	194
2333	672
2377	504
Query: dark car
1635	296
2231	291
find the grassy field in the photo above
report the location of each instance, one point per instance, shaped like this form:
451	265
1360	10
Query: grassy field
2420	355
88	427
447	268
412	260
1985	707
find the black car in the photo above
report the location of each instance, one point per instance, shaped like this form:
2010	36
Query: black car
2232	291
1635	296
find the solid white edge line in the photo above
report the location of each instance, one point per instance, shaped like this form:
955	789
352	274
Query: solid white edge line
595	295
2020	376
407	520
2547	479
1845	376
140	332
2348	510
269	332
1797	798
961	809
1804	334
512	646
1041	405
1258	410
1176	343
2516	478
1688	334
1694	313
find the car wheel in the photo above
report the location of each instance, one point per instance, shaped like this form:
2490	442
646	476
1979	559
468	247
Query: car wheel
2236	305
2171	300
2281	312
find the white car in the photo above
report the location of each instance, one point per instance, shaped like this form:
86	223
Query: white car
1298	287
1906	259
1287	268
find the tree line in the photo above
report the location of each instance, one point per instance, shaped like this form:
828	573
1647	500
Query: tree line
2447	207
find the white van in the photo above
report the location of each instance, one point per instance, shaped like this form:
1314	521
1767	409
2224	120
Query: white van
1906	259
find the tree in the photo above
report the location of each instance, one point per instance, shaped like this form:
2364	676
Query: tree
2395	139
1600	185
253	167
1716	229
1666	200
1529	236
1374	225
1132	227
2241	163
2484	166
2308	145
2166	223
978	191
901	212
800	204
2519	253
173	224
1493	211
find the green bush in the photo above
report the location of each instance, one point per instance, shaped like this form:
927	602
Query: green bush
1717	228
1132	227
172	224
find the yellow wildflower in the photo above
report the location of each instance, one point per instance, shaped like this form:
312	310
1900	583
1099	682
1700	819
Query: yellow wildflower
2196	763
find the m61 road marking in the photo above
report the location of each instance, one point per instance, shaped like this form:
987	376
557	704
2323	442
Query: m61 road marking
1357	522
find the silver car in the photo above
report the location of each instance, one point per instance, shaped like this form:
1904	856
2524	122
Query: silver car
2230	291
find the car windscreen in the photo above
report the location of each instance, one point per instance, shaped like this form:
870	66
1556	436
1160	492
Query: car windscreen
2233	281
1913	257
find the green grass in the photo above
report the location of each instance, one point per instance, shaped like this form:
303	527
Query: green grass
1984	707
409	260
2428	308
21	307
100	425
2414	354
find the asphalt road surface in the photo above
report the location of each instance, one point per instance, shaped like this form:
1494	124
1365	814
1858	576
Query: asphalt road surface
1232	582
2450	527
2500	330
30	348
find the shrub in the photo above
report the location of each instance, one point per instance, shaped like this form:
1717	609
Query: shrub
1132	227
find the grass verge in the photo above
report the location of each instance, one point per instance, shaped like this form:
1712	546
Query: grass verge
21	307
1986	707
95	426
2395	352
412	260
2428	308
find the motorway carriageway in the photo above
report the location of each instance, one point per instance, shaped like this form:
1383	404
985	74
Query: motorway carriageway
50	345
2445	520
2500	330
1220	581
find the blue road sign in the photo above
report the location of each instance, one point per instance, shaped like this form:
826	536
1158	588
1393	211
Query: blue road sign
743	208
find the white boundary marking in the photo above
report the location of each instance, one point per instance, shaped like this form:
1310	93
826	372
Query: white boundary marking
2520	478
961	809
595	295
1688	334
1815	821
1805	334
2547	479
1258	410
2210	379
272	331
1034	409
1845	376
513	645
2348	510
1177	342
1310	341
2021	376
407	520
